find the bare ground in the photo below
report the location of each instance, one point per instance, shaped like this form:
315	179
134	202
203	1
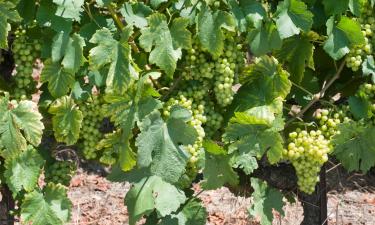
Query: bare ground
350	202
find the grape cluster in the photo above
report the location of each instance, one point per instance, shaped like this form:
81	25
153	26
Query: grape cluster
307	151
197	111
61	172
367	92
93	115
329	119
225	68
358	53
25	52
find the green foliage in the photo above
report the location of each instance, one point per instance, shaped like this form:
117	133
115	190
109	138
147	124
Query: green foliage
354	146
66	121
51	206
7	12
265	200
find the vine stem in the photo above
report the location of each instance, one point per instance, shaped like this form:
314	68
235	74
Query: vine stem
319	95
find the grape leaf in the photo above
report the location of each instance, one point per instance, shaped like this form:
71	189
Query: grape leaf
74	58
209	25
193	213
60	44
254	138
46	18
292	17
51	207
354	146
59	80
342	36
265	200
19	124
360	107
27	9
23	170
7	12
152	193
331	7
356	6
159	143
217	170
136	14
66	120
266	81
245	161
117	54
70	9
167	42
247	12
125	111
368	67
298	51
264	39
155	3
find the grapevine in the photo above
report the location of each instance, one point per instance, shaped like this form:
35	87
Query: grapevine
60	172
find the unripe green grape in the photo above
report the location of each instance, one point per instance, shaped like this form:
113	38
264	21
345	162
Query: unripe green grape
60	172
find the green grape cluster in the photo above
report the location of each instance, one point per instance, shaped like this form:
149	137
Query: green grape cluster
25	53
214	119
307	151
225	68
61	172
367	92
329	119
358	53
197	111
93	115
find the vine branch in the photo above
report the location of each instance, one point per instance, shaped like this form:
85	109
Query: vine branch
319	95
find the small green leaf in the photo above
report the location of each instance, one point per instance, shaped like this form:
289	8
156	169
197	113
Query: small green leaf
7	12
292	17
209	25
368	67
354	147
51	207
341	36
265	200
73	58
247	12
152	193
70	9
23	170
136	14
59	80
360	107
19	124
66	120
213	148
298	51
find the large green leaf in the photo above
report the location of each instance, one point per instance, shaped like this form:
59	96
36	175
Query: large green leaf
355	146
7	12
23	170
264	38
152	193
342	36
332	7
265	200
66	120
167	41
292	17
298	52
217	170
19	123
70	9
160	143
209	25
60	81
50	207
117	55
